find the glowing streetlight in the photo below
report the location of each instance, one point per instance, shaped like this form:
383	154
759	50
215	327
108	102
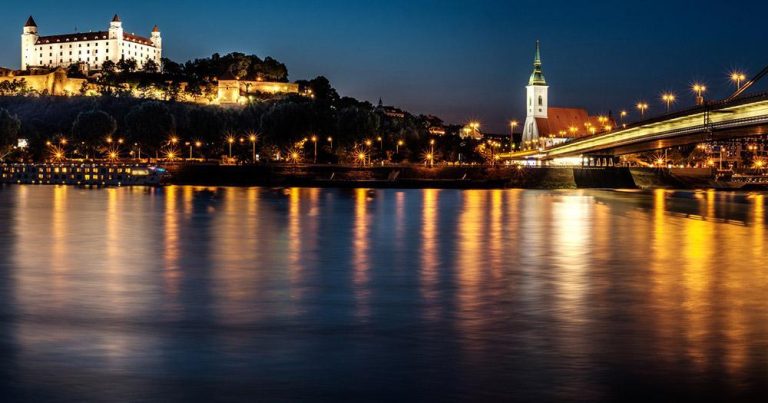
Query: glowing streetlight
397	147
699	89
623	115
737	77
330	141
642	106
314	140
230	140
381	143
668	98
252	138
512	126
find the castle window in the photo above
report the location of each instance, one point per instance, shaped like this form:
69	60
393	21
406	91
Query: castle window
541	101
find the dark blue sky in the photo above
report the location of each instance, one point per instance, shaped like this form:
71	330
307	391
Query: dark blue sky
459	60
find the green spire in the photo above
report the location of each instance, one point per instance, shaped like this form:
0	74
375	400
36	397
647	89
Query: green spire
537	77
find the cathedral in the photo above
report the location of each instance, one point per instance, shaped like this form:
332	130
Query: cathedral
89	48
546	126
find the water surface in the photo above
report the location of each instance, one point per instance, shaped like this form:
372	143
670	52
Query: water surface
195	294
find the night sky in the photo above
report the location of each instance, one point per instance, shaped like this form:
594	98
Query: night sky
460	60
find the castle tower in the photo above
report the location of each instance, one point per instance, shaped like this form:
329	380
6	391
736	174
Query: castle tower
157	40
28	39
115	32
537	101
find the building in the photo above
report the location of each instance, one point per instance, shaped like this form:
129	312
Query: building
546	126
89	48
55	82
233	90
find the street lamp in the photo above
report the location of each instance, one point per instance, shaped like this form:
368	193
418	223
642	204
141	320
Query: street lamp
512	126
230	140
314	140
252	138
623	114
330	140
642	106
737	77
397	147
668	98
699	90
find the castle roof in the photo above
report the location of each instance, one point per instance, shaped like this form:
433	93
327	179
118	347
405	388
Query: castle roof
136	38
116	18
30	22
569	123
78	37
155	29
91	36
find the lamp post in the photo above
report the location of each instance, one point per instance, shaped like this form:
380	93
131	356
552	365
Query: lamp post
230	140
188	143
252	138
642	106
330	140
622	115
368	143
512	126
381	143
668	98
737	77
699	89
314	140
397	146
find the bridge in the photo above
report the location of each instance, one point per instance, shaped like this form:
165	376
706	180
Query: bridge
735	117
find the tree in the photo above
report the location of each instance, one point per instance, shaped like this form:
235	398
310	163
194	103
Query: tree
150	124
150	66
127	65
108	67
10	127
92	128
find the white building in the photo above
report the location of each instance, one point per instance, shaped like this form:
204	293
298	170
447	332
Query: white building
547	126
91	48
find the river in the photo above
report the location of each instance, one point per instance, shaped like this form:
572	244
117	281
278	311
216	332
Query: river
200	294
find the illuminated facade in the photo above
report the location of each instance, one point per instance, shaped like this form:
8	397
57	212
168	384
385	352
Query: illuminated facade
546	126
89	48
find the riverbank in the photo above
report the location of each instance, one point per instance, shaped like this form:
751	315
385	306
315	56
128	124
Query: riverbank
452	177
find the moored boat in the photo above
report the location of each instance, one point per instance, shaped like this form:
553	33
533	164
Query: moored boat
83	174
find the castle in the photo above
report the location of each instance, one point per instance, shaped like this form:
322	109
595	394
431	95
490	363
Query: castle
546	126
91	49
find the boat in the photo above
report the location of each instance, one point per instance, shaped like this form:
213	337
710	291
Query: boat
729	180
83	174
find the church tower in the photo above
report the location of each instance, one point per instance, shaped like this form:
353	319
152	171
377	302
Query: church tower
28	39
536	101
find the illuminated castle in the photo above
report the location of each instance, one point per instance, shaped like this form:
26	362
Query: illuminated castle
89	48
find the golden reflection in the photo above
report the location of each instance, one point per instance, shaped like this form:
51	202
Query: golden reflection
171	269
294	235
59	228
470	247
429	250
360	251
698	278
572	221
496	234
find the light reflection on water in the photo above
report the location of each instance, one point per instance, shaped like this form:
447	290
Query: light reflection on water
187	293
